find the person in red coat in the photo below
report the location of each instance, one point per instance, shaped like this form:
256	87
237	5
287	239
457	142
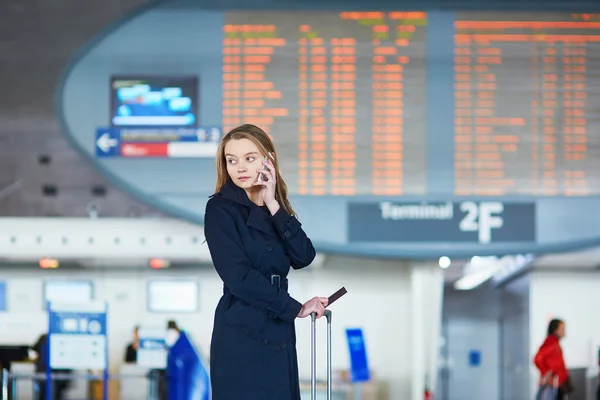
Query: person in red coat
550	362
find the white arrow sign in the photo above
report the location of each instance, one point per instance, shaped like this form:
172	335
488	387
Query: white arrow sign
105	142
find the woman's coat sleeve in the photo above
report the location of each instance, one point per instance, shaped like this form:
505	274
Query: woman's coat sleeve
297	244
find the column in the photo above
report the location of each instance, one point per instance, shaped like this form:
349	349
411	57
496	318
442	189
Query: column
343	116
313	81
575	132
247	51
427	290
464	165
388	122
549	105
232	83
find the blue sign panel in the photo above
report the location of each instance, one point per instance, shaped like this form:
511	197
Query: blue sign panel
77	335
359	367
3	305
152	352
474	358
468	221
108	142
158	142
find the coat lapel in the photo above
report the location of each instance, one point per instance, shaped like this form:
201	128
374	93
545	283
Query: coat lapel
257	218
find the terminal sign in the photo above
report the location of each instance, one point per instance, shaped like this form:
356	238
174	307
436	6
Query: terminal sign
482	222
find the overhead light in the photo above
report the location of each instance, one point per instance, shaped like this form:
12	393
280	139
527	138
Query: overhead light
477	271
444	262
477	263
511	265
49	263
159	263
475	260
473	280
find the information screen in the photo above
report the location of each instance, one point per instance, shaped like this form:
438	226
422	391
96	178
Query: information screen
527	104
172	296
344	94
68	291
157	101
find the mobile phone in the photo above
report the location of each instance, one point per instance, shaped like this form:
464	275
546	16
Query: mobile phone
336	296
262	177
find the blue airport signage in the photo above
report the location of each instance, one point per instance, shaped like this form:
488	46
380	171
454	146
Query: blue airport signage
155	142
77	335
474	358
359	366
3	296
152	350
481	222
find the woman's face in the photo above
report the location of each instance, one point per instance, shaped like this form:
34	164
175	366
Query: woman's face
560	331
243	159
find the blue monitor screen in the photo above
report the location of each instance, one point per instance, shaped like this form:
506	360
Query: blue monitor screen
2	296
154	101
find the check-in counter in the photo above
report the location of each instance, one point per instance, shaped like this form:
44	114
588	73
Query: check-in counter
96	388
134	384
343	389
591	382
81	388
25	386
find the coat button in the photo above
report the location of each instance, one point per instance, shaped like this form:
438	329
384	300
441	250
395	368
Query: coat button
265	341
287	234
283	345
268	248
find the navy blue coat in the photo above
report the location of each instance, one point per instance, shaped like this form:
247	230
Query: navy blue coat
253	347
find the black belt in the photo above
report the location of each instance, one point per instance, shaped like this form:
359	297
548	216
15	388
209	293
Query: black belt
276	280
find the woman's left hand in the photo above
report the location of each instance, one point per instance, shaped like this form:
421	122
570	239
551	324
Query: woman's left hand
267	192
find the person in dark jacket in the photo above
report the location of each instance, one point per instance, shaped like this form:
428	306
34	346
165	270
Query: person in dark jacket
59	386
132	348
550	362
254	237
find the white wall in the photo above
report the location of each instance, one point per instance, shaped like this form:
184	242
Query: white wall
573	297
378	300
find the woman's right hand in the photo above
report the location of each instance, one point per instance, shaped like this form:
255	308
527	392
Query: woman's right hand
546	379
315	305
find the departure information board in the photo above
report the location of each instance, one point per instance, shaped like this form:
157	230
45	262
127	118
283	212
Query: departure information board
527	104
409	133
344	94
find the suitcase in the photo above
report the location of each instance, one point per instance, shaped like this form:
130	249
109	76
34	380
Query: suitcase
313	356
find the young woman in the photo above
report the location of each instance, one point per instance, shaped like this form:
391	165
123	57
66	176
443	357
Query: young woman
549	361
254	237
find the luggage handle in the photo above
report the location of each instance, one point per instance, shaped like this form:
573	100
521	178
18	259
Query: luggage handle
313	356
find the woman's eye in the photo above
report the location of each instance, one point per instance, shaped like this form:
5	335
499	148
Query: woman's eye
251	159
231	161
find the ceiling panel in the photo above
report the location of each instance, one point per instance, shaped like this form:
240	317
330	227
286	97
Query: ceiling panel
37	39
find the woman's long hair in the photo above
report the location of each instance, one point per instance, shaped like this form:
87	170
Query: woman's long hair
265	145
